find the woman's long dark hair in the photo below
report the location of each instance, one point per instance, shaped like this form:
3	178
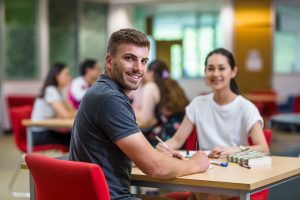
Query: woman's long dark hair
55	69
230	58
159	69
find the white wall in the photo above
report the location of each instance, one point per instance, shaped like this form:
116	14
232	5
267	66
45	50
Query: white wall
193	87
286	85
120	16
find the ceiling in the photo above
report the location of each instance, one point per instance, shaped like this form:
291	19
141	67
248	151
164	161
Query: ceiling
190	4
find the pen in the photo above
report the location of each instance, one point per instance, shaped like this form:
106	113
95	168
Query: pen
161	141
246	166
222	164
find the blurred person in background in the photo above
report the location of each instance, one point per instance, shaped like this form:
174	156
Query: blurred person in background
171	110
89	72
51	103
147	113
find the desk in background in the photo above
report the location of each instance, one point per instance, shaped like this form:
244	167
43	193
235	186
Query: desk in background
49	123
262	98
286	121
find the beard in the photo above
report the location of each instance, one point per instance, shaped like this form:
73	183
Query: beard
120	77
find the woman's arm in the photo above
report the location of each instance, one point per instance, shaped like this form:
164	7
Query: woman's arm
61	110
180	136
258	138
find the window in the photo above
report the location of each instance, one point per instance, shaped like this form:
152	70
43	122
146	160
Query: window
199	33
286	56
20	56
285	53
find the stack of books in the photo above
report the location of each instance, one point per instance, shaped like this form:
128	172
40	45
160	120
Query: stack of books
250	158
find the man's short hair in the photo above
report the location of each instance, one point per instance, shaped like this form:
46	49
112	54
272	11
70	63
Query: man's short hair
87	64
128	35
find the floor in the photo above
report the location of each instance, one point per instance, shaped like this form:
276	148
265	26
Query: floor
283	144
10	158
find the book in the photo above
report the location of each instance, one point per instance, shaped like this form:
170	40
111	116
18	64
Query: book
264	160
250	158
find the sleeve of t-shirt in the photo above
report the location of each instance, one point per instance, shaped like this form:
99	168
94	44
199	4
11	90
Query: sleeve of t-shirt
78	88
190	111
252	116
52	94
117	118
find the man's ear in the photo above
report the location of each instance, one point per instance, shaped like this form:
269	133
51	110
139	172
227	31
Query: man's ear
108	60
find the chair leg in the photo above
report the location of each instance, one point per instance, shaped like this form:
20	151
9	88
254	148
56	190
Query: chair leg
12	183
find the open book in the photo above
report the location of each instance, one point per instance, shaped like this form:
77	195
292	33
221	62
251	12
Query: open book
250	158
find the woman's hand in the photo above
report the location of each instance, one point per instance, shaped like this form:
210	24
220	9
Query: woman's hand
223	151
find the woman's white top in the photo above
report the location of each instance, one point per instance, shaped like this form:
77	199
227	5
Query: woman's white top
226	125
42	108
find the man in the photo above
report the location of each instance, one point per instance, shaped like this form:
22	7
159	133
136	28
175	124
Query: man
105	130
89	72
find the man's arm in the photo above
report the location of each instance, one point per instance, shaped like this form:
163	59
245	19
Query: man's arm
157	164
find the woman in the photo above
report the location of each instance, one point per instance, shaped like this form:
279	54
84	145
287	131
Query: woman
172	110
51	103
224	119
162	105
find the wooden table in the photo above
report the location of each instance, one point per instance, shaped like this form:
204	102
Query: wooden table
49	123
231	180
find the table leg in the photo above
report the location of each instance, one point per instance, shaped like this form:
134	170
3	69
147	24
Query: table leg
32	189
29	139
244	195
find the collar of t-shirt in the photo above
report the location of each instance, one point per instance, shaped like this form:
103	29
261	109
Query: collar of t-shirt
113	84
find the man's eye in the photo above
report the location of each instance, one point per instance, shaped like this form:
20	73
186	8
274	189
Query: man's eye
129	58
144	62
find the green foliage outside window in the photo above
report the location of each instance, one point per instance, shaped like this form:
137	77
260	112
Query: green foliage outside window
20	40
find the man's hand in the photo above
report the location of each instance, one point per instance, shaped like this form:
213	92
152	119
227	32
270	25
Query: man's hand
201	160
163	148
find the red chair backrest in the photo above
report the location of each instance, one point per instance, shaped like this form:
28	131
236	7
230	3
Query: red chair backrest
62	179
191	141
296	105
17	115
20	100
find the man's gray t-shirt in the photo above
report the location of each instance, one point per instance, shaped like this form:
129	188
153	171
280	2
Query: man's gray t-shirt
105	115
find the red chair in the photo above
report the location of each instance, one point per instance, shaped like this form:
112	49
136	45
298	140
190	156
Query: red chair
19	132
267	109
15	100
62	179
296	105
191	144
